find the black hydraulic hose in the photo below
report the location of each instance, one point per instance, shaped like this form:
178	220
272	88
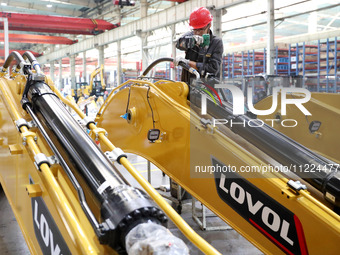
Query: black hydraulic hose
154	63
122	207
281	148
80	192
13	55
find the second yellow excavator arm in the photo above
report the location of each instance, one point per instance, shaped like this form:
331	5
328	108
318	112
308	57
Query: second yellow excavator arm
94	74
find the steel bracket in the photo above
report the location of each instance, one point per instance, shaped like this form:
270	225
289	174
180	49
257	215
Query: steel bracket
115	155
41	158
20	123
98	131
28	134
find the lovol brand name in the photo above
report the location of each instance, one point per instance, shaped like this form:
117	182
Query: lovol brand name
46	230
269	217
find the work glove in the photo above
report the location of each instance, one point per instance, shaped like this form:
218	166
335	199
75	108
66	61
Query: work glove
198	39
186	42
180	59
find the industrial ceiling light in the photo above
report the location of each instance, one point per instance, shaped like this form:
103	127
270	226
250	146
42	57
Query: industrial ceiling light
49	5
4	4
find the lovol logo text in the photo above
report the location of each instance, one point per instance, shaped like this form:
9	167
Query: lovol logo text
46	231
268	216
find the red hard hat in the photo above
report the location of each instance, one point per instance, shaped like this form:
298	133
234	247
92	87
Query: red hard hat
200	17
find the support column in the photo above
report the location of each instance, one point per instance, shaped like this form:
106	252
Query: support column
101	55
173	48
144	36
61	84
270	37
52	65
84	66
119	53
73	71
6	42
119	63
217	21
52	71
84	63
250	34
144	50
143	8
313	22
217	27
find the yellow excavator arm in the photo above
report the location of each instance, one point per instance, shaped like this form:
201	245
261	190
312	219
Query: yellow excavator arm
98	70
256	179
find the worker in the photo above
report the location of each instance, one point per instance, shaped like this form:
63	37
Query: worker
106	93
203	50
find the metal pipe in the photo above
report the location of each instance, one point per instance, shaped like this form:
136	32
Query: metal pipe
13	55
6	43
270	37
28	55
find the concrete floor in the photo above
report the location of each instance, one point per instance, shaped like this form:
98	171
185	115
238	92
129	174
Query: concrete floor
226	241
12	241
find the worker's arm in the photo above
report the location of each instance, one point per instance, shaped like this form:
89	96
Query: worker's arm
193	64
186	41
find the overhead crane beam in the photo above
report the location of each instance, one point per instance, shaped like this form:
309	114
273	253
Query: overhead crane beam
40	39
169	16
56	24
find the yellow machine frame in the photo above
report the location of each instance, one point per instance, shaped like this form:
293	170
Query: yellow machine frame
23	182
185	142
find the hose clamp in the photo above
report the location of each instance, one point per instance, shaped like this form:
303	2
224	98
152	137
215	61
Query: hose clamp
32	124
88	121
38	77
296	185
20	123
41	158
115	155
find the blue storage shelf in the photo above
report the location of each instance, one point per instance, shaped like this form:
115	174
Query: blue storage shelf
317	62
